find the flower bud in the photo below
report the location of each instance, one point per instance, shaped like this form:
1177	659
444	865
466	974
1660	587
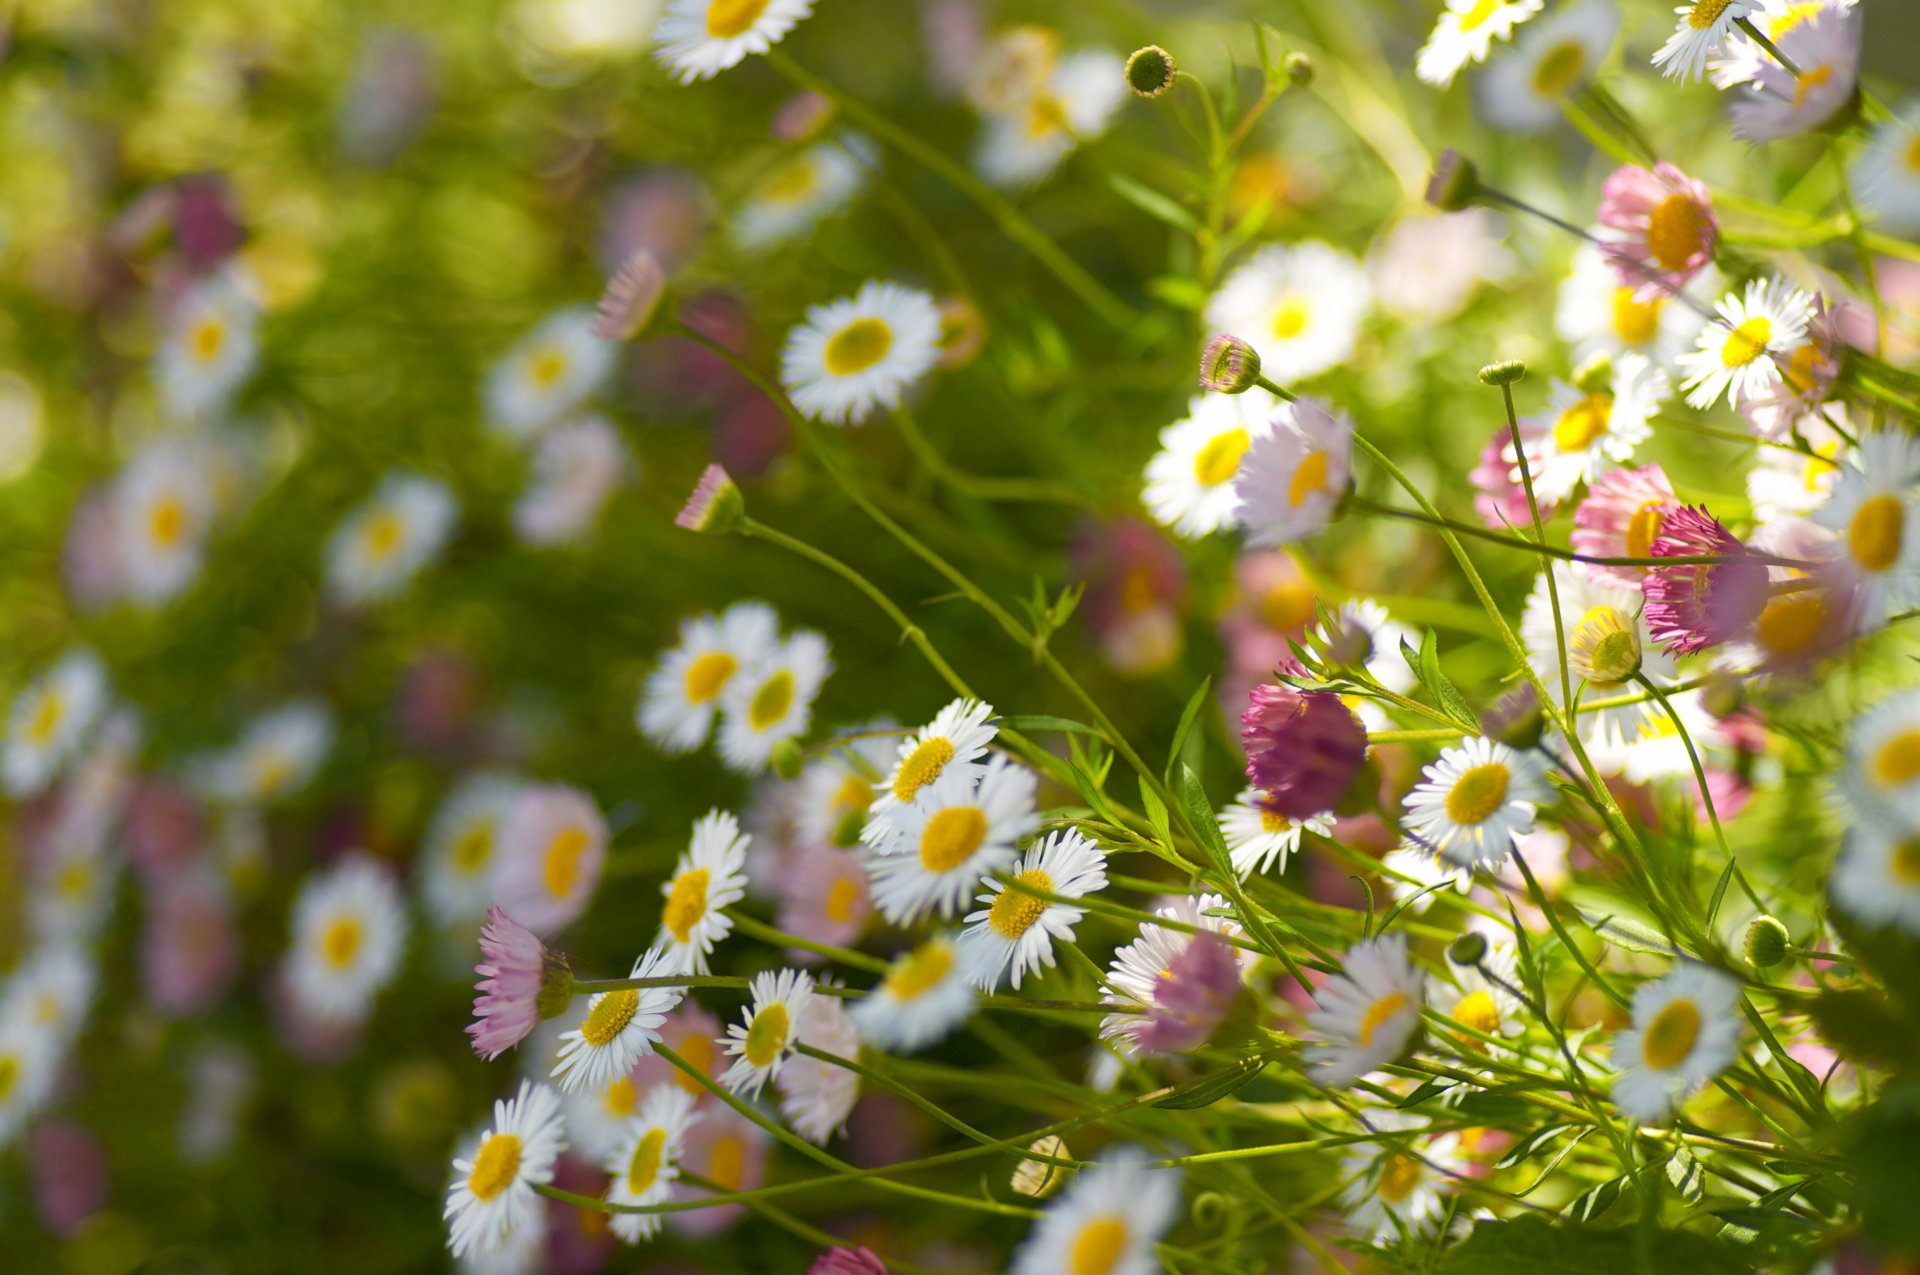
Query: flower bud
1150	71
1300	69
716	506
1766	942
1595	376
787	758
1037	1179
1505	372
1604	648
1229	365
1211	1210
634	299
1455	183
1469	949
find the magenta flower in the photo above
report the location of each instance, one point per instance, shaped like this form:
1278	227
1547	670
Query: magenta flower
1499	497
1693	606
1621	517
1303	749
521	982
1193	997
847	1261
1663	224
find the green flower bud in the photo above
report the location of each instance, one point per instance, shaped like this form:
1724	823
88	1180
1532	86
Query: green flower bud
1766	942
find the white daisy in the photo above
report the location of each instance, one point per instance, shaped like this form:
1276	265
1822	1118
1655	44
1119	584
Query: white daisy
1875	518
1400	1181
1877	879
1294	478
646	1163
1585	602
53	989
1583	434
349	931
460	846
29	1065
1011	67
683	694
772	1027
772	701
597	1119
276	756
1299	305
800	192
492	1195
1686	1031
51	719
1465	33
1735	353
378	548
1138	968
1425	871
837	787
1597	314
1256	836
1366	1016
1474	799
1740	60
924	997
957	737
1785	483
1107	1220
1076	103
817	1096
698	39
861	352
1480	997
1016	932
548	856
710	876
577	467
620	1028
70	891
1886	173
548	374
1659	751
959	830
1551	59
162	507
210	347
1881	777
1189	481
1702	31
1781	103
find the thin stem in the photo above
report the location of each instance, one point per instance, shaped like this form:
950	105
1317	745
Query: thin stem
1540	537
1364	505
1758	37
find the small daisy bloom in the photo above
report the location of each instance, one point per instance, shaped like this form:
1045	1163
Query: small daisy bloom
923	998
619	1029
349	931
1402	1181
1780	103
548	374
378	548
1366	1017
576	469
162	507
1735	354
1785	482
957	737
1598	314
598	1120
817	1096
961	829
1107	1220
1360	634
519	980
710	876
53	988
1299	305
277	755
1877	879
1474	800
772	701
1294	477
1886	173
800	192
1658	228
1585	433
492	1195
1016	931
552	846
1621	517
1480	998
1077	102
460	843
760	1045
683	694
29	1066
1740	60
698	39
1257	837
1875	518
824	898
1686	1031
1190	480
646	1163
1465	33
51	719
1551	59
1702	31
1881	778
1143	965
1595	607
861	352
837	788
210	347
1802	403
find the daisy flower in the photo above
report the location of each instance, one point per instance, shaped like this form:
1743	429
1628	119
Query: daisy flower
29	1065
1190	480
1295	476
1256	836
162	508
1740	60
861	352
1299	305
1686	1031
762	1044
825	898
1702	31
1412	873
817	1096
53	988
598	1120
957	737
50	721
1015	931
1400	1182
1621	517
1551	59
1877	879
646	1163
1658	228
837	788
683	694
548	374
802	191
1886	173
1881	778
620	1028
1735	354
379	547
1465	33
960	829
1598	314
1474	800
459	847
1141	966
1659	751
1303	749
1801	404
492	1195
521	982
1876	521
1430	264
349	931
1359	634
1585	433
1786	483
923	998
209	349
698	39
1107	1220
729	1151
1599	609
1780	103
1366	1017
551	848
1076	103
710	876
577	467
772	701
1479	997
1011	68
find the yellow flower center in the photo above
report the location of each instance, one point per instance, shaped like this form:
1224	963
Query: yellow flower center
1046	115
1897	761
1874	535
208	338
1479	1012
708	675
1378	1013
950	837
1290	318
340	941
1583	422
858	346
546	368
1792	16
166	522
383	534
46	717
840	900
1802	367
609	1016
644	1167
1669	1037
1790	624
767	1035
1310	478
686	903
1603	648
1289	605
922	766
1098	1248
495	1168
620	1098
792	183
771	701
1807	81
1643	528
1634	322
1478	793
1747	342
727	1163
473	848
563	860
1271	822
74	881
1676	232
1013	913
920	971
698	1051
1913	154
1904	863
1706	13
1557	72
1219	460
1398	1177
727	19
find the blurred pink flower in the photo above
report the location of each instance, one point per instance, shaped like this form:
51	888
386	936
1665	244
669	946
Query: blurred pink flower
190	948
70	1174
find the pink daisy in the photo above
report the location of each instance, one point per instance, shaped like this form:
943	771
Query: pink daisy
824	898
1303	749
1193	997
1663	227
1620	518
1693	606
549	851
520	983
1499	497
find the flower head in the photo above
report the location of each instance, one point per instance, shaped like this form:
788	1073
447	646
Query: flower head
1621	516
772	1027
861	352
1303	749
698	39
1474	800
1194	998
1295	475
552	847
492	1195
632	298
1686	1030
521	982
1658	228
1367	1016
1694	606
1108	1219
621	1027
1702	31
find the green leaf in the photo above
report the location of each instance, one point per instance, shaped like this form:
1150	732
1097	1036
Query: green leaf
1525	1148
1446	696
1212	1089
1029	723
1530	1245
1589	1205
1686	1175
1719	892
1633	936
1188	715
1431	1089
1153	203
1156	811
1205	826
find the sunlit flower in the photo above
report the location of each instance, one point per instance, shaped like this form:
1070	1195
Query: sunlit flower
817	1096
1303	749
1142	965
1739	59
1875	517
1658	228
957	737
1586	432
1686	1031
379	547
1825	47
162	507
1399	1181
709	877
349	931
1190	480
1694	606
1300	305
1877	877
861	352
1107	1220
548	856
1465	33
1257	837
683	694
772	700
1702	31
1368	1015
492	1195
1474	800
621	1027
548	374
276	756
1193	998
1886	173
1481	997
1881	777
1076	103
646	1163
1597	314
960	829
698	39
1294	477
210	348
802	191
1621	517
1359	634
1735	354
923	998
459	847
1551	59
772	1026
1595	607
1785	482
51	719
1801	403
1016	932
577	466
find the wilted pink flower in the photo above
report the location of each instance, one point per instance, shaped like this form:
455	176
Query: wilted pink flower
69	1174
715	507
1620	518
1192	997
1693	606
1499	497
1303	749
847	1261
1663	227
520	983
631	299
190	950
